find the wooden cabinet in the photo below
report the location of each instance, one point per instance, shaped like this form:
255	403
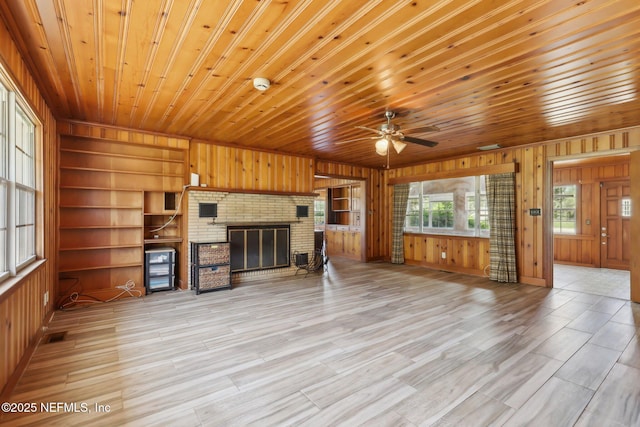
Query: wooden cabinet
112	206
341	199
345	205
344	226
343	242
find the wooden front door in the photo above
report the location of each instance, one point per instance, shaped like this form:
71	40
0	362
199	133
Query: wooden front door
615	215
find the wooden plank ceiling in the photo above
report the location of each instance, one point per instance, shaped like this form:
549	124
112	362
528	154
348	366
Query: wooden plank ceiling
485	72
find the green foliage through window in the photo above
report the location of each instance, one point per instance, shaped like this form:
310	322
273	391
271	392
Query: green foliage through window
564	209
448	206
318	212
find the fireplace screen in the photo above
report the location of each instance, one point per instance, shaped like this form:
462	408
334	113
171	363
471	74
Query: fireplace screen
259	247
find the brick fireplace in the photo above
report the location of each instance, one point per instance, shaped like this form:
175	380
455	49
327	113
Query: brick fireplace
251	211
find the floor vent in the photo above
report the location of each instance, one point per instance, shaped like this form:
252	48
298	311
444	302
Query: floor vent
54	337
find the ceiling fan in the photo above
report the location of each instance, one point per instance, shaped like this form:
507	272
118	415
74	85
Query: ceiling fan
390	134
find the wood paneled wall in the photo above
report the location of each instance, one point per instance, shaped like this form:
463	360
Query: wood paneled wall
533	236
529	194
119	135
634	174
230	168
583	248
22	309
468	255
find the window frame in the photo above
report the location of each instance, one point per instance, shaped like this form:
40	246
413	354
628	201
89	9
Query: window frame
626	206
480	211
319	212
419	214
429	201
20	150
4	182
575	210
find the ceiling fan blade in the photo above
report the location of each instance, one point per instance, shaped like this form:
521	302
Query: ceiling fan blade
357	139
370	129
431	128
419	141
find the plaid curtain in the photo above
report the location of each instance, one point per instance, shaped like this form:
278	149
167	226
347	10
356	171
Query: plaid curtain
400	197
502	221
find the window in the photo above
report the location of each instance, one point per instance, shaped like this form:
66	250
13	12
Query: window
477	211
25	188
413	220
456	206
17	184
4	183
438	210
626	207
564	209
318	212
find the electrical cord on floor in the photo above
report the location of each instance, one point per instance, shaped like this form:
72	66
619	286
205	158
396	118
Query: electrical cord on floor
78	298
486	270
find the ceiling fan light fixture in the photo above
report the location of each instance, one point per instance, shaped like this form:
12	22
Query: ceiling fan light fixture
398	145
382	147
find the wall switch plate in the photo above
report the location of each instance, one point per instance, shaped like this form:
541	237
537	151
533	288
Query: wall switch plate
444	255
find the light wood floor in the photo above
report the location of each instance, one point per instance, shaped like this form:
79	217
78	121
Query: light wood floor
366	344
598	281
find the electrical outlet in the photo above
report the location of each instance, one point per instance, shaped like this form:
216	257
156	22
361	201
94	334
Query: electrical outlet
444	255
46	298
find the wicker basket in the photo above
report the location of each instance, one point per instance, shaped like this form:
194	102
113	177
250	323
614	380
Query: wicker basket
214	253
213	278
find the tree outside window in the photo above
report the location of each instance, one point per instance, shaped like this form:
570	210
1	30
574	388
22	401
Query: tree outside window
477	212
318	212
451	206
439	210
564	209
412	220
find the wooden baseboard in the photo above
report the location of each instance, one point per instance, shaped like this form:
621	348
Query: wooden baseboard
469	271
532	281
26	358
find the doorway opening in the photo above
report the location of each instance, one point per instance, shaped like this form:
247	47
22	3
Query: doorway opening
343	220
590	220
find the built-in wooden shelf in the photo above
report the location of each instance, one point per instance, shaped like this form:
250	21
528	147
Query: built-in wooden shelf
163	240
98	207
91	248
167	214
343	226
100	267
120	155
98	227
111	196
82	187
120	171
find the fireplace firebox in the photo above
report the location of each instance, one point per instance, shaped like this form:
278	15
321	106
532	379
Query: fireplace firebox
259	247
